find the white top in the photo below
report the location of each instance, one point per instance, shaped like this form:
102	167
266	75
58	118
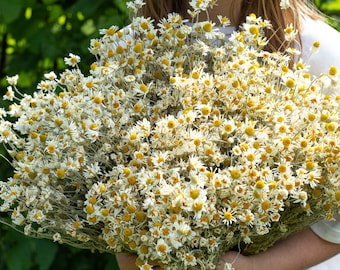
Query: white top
329	53
328	230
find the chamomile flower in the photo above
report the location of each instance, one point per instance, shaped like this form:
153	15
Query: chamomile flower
285	4
201	5
9	94
228	217
13	80
316	46
134	6
290	33
162	248
223	20
50	76
72	60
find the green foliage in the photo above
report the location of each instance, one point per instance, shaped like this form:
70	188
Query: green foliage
18	252
332	9
329	6
36	35
32	253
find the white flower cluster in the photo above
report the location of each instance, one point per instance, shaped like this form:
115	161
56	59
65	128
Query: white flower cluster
174	148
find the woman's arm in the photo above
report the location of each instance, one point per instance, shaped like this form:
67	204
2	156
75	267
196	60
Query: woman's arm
126	261
299	251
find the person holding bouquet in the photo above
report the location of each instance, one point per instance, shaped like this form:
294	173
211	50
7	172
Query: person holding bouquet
321	241
205	135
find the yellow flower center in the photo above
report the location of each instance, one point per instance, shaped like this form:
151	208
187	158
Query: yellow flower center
207	27
194	193
228	215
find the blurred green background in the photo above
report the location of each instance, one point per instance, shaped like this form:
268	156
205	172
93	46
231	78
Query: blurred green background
35	36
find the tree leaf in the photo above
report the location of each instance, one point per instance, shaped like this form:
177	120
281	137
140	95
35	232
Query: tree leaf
10	10
20	254
46	252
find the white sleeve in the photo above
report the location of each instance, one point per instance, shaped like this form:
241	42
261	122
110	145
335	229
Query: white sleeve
328	55
328	230
329	52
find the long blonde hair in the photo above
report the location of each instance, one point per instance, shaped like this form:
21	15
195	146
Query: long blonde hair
269	10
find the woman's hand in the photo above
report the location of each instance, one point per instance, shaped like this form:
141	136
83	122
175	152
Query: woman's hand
238	261
126	261
298	251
